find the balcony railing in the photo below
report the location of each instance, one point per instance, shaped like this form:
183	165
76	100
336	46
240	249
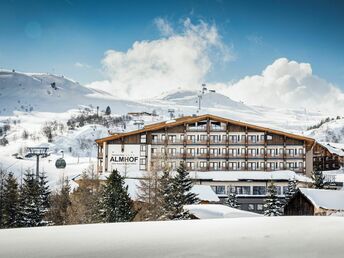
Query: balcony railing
257	156
255	141
197	129
218	129
274	156
159	141
295	156
237	142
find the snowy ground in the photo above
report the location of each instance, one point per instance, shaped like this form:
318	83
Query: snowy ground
258	237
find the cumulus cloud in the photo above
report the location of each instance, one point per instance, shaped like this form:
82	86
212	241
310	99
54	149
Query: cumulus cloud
287	84
163	26
179	60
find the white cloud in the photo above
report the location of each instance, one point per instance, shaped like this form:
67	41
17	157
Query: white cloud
287	84
81	65
163	26
149	68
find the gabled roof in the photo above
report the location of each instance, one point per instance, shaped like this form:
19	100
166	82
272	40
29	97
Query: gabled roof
326	199
193	119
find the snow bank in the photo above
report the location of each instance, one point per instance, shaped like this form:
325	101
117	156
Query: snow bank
244	237
217	211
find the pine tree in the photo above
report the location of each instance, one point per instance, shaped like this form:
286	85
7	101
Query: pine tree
108	110
232	200
318	179
34	200
292	188
183	181
29	197
11	202
116	205
272	206
2	182
166	198
43	199
181	194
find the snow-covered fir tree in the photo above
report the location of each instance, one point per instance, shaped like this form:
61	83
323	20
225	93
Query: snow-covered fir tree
272	206
116	205
181	194
2	181
318	179
34	200
232	200
166	199
43	199
292	188
11	202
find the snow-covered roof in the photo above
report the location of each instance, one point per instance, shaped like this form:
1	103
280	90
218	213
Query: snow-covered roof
326	199
216	211
283	175
334	148
205	193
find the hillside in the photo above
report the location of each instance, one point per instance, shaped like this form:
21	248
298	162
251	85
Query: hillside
51	93
329	131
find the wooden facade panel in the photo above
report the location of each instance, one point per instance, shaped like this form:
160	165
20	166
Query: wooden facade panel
299	205
176	129
275	140
236	128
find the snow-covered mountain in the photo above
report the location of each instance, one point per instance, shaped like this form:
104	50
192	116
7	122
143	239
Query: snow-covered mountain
330	131
50	93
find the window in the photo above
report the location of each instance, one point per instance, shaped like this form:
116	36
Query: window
278	190
172	138
203	164
191	138
251	207
243	190
285	189
143	138
154	138
190	165
203	137
172	151
259	190
259	207
219	189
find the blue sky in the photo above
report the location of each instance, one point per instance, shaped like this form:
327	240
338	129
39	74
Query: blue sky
52	36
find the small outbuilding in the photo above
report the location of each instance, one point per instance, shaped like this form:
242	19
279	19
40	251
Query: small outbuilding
312	202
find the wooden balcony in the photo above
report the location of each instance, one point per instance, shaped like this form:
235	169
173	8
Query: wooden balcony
159	142
197	129
255	156
275	156
241	142
296	156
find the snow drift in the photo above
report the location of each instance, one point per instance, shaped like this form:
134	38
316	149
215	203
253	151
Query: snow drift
244	237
